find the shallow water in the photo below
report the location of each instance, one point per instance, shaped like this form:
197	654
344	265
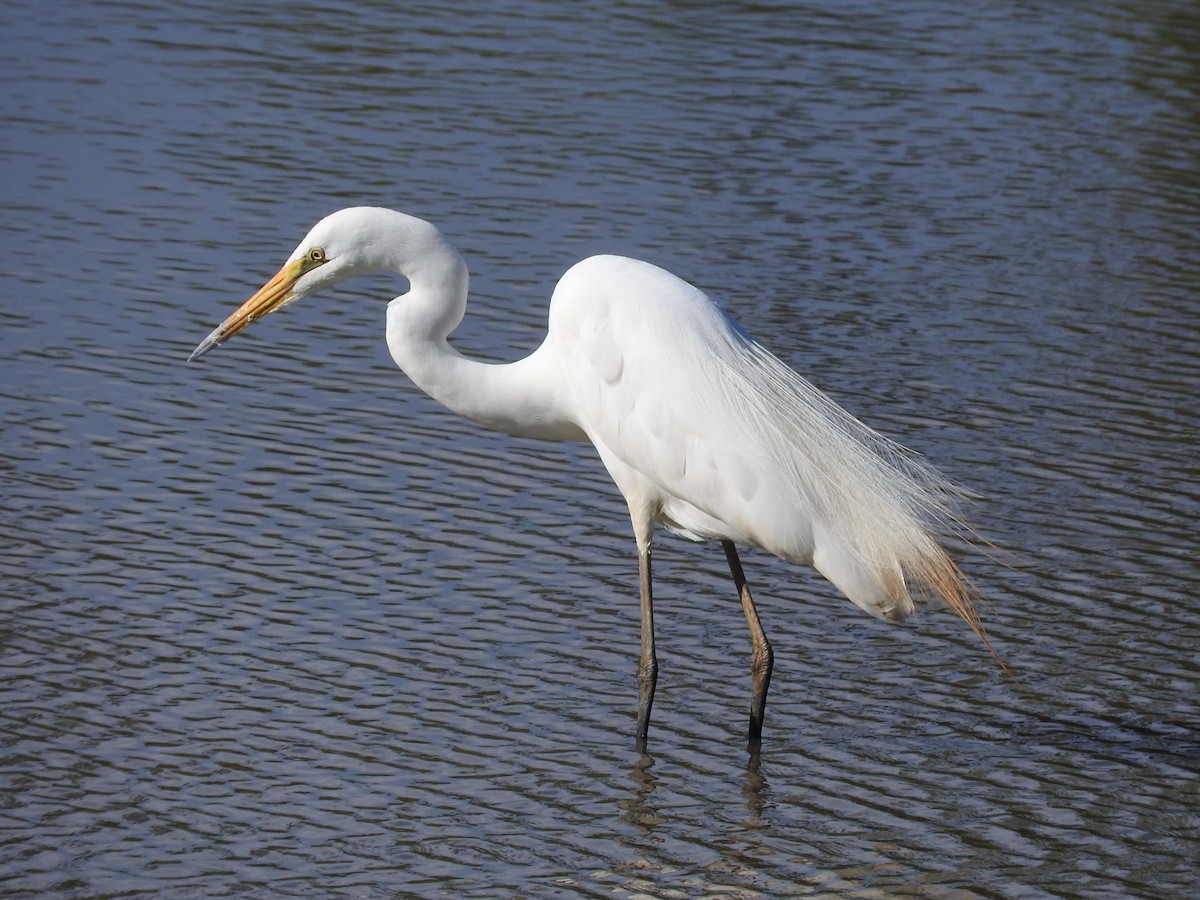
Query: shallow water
276	624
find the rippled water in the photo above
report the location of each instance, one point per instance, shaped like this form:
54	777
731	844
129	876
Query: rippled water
277	625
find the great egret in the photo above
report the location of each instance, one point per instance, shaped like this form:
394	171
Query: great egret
703	430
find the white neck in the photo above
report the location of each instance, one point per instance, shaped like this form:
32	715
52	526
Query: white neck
521	398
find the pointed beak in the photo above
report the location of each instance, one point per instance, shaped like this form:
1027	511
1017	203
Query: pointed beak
271	295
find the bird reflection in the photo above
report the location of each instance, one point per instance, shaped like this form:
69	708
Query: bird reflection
638	811
754	787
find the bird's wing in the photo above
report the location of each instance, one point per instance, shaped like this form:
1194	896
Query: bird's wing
646	356
690	413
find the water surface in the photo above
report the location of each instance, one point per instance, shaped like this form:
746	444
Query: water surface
275	624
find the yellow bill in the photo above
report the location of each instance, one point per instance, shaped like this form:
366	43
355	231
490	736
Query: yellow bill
270	296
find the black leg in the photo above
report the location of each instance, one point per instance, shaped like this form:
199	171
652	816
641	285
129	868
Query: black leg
762	658
648	666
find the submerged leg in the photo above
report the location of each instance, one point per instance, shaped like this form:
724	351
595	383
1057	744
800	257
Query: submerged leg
762	658
648	665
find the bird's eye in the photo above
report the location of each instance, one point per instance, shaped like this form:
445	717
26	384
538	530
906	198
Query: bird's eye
316	256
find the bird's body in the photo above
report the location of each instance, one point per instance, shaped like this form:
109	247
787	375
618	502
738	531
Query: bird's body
702	429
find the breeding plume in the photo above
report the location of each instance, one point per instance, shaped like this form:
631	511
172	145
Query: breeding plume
702	429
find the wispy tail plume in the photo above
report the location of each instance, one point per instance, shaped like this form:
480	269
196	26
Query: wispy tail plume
939	575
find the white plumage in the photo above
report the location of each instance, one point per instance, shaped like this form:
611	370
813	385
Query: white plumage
703	430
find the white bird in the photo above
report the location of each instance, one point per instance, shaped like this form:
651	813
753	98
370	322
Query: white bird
703	430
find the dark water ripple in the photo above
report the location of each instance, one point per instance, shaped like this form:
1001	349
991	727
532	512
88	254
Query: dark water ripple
277	625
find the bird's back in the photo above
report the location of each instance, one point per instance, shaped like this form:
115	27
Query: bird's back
696	419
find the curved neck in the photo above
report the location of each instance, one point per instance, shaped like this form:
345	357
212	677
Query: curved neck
520	398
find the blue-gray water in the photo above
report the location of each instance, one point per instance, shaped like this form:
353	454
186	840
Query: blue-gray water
274	624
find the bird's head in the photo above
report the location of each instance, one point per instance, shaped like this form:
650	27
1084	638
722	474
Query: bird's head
340	245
